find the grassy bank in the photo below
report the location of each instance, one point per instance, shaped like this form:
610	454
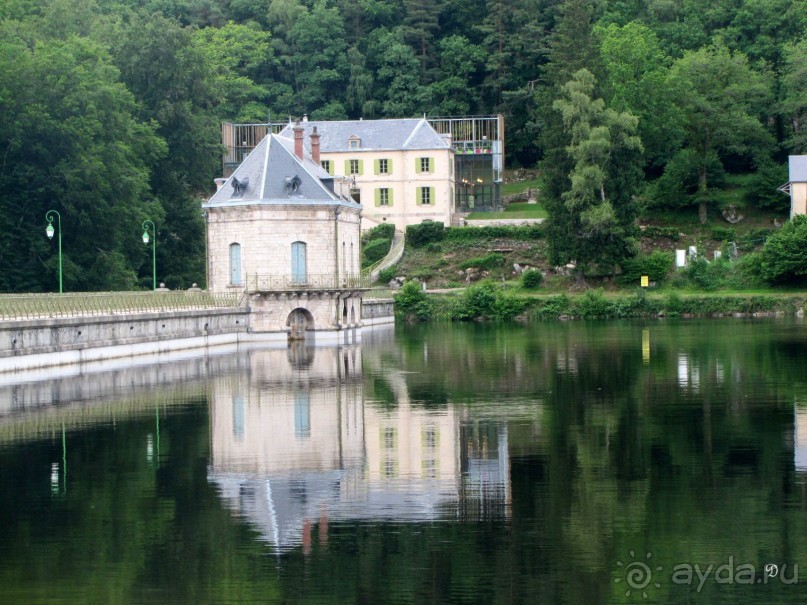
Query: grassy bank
490	301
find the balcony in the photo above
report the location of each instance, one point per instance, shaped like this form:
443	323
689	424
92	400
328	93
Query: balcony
308	283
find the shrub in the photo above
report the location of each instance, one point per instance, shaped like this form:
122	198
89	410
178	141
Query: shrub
489	301
434	247
386	275
783	258
383	231
723	234
552	307
531	279
656	266
418	236
709	276
412	303
652	231
592	304
470	234
374	251
489	261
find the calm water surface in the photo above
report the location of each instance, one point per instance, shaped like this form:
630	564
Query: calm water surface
659	462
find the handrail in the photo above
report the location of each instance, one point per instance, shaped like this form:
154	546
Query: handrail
79	304
315	281
393	256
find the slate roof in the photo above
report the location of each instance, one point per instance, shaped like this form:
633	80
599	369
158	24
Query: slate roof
798	168
268	167
375	135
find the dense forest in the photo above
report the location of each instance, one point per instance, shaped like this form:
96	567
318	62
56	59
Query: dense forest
110	109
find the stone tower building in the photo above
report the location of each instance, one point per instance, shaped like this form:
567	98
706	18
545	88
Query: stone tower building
287	234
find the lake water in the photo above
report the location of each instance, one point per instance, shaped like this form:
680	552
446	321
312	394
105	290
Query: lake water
579	463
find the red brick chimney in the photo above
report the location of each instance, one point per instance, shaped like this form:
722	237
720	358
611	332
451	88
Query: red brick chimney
315	146
298	140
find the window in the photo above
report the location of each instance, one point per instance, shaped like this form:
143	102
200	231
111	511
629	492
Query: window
235	265
298	262
327	166
354	167
383	166
354	143
423	164
425	196
383	196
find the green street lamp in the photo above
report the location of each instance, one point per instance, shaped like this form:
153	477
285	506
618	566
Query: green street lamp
50	230
146	225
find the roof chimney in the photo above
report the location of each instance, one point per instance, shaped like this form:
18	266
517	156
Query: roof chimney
315	146
298	140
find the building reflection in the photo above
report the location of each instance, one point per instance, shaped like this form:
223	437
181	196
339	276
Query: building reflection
295	447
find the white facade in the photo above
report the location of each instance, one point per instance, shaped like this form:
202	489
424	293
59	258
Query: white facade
401	171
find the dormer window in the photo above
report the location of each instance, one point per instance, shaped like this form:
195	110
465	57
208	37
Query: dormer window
354	142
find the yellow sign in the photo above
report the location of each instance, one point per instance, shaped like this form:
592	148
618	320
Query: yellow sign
645	281
646	346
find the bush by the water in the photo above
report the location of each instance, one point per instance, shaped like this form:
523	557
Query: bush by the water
487	300
429	232
784	257
411	303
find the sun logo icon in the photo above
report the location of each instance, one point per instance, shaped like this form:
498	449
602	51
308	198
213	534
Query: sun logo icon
638	575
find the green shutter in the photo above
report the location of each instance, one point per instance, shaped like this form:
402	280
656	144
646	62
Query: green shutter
417	165
432	201
378	197
330	167
361	167
347	167
419	196
376	166
389	196
389	168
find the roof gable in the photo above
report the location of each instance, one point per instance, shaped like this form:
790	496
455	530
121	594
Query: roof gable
273	173
374	135
797	165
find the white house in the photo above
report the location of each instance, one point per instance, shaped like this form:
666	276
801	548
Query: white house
287	234
401	171
796	186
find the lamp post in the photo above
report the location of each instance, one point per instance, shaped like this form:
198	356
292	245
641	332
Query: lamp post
146	225
49	230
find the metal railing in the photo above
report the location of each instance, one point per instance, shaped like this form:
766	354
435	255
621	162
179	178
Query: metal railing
75	304
316	281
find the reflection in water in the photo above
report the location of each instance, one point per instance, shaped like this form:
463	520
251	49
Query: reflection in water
294	445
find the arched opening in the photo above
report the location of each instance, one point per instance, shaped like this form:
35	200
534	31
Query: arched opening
299	322
236	278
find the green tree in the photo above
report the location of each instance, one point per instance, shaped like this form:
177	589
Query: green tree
238	56
793	103
170	76
722	99
636	70
453	93
320	58
602	143
72	143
